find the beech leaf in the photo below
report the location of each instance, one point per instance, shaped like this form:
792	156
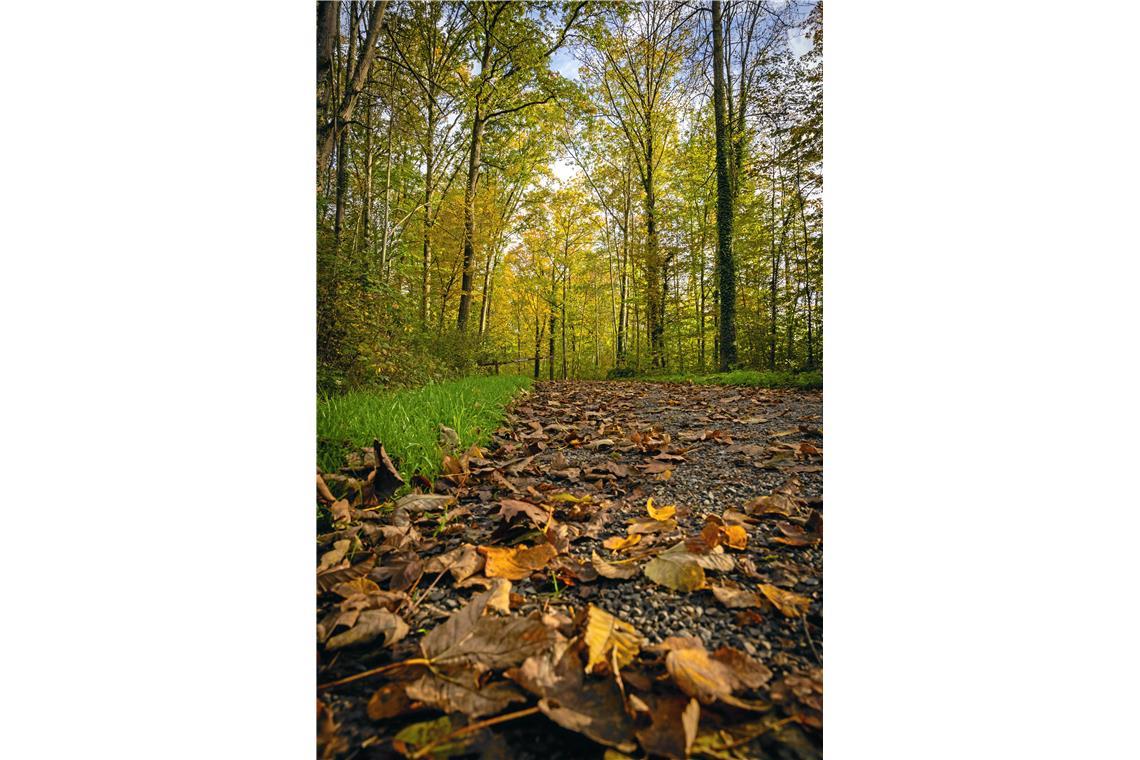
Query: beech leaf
787	602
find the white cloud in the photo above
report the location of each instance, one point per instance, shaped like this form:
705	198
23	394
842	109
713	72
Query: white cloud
799	42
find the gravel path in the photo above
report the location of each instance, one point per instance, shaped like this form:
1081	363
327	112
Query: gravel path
703	449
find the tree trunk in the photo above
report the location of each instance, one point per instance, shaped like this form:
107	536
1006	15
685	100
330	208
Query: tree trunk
724	203
469	218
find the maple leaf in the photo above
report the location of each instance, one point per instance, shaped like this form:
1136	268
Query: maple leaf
609	640
468	638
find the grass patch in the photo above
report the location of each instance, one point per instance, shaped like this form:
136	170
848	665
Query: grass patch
757	378
407	421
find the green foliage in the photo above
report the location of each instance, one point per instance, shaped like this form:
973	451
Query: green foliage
407	421
758	379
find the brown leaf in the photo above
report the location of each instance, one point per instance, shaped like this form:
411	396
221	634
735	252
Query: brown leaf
516	563
388	701
511	508
457	690
324	495
330	579
329	741
787	602
680	573
749	672
674	727
385	480
462	562
649	525
335	555
592	707
735	598
425	502
371	625
609	641
500	600
695	672
468	638
612	570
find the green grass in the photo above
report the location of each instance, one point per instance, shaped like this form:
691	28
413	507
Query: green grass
757	378
407	421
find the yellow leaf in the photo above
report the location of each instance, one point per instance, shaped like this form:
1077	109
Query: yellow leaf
677	573
609	640
736	536
659	513
517	563
787	602
620	543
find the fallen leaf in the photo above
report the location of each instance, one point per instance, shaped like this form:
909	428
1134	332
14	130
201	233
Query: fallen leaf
609	640
511	508
424	502
371	625
674	726
695	672
385	479
678	572
649	525
592	707
329	741
613	570
457	690
388	701
471	639
621	543
736	536
335	555
419	735
787	602
500	600
516	563
735	598
659	513
330	579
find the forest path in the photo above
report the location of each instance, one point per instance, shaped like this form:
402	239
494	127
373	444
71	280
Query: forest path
709	451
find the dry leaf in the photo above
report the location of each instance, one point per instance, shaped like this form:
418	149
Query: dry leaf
695	672
659	513
516	563
592	707
674	727
787	602
468	638
621	543
371	625
424	502
510	508
735	598
388	701
612	570
458	690
678	572
736	536
609	640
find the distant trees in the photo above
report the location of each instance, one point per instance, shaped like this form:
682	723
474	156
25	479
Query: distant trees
592	184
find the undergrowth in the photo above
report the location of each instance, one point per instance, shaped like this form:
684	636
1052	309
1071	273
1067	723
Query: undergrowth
757	378
407	421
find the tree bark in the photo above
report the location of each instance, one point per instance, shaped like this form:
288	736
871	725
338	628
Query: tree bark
724	203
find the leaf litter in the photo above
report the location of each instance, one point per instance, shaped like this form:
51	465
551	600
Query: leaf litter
625	567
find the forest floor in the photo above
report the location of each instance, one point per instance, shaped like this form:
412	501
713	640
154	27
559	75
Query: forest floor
475	618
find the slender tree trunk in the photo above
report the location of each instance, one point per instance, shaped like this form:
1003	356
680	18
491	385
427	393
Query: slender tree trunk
469	218
429	179
724	203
